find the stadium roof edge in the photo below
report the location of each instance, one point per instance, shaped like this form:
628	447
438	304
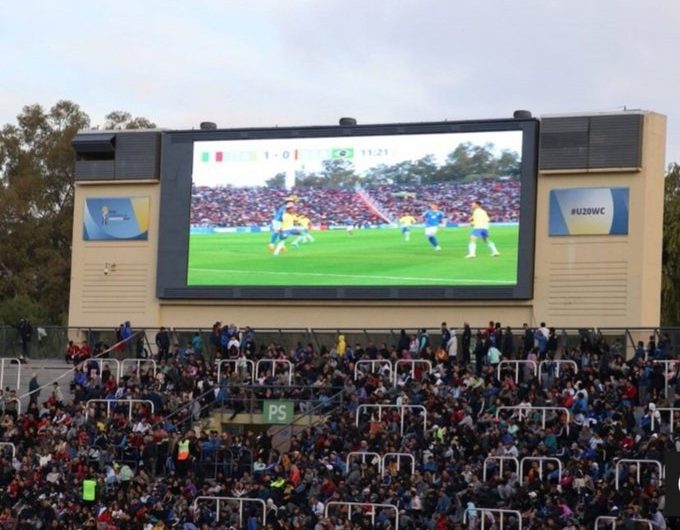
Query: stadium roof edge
590	114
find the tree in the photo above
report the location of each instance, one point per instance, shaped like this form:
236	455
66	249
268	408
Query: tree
37	165
278	181
118	120
670	287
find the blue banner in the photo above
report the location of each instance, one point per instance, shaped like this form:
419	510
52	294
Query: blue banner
588	211
116	218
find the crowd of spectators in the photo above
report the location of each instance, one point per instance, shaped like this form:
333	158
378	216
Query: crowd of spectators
254	206
146	468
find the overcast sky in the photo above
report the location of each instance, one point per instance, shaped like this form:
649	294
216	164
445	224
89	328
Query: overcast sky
303	62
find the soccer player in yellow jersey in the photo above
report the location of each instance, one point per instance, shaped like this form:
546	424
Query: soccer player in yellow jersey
405	222
287	227
480	229
304	227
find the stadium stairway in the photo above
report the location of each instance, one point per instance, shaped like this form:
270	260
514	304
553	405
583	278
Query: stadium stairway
17	377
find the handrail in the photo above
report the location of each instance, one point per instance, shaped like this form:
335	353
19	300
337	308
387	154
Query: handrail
399	457
672	411
402	409
2	370
557	362
9	444
80	364
499	511
412	363
308	414
291	367
372	505
638	467
139	363
240	501
115	402
373	363
501	459
540	459
363	455
612	519
516	363
220	362
542	410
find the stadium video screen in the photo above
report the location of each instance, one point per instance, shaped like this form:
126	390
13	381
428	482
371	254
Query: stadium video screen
380	210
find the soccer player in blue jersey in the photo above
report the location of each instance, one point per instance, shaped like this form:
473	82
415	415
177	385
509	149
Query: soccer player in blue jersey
277	219
433	220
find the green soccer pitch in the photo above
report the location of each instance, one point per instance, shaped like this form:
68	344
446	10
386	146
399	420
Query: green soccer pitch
368	257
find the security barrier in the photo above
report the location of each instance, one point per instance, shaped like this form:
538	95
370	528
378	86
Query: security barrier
372	505
517	364
363	456
541	460
501	513
501	459
239	500
402	409
638	465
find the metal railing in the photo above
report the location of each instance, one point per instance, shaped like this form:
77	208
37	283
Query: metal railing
116	403
237	367
637	462
3	445
11	361
502	460
540	460
239	500
363	455
373	363
671	411
373	505
412	363
557	363
49	342
501	513
610	519
398	457
275	363
528	409
402	410
517	364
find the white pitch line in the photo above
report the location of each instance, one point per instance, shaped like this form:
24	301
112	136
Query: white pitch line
362	276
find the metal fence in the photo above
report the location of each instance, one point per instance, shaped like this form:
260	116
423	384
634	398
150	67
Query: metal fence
50	342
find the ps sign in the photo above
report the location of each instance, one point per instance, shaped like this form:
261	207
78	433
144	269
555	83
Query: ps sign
275	411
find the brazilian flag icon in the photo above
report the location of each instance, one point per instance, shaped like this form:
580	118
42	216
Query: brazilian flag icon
342	152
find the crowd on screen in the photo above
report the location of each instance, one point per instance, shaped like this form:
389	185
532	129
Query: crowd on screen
149	467
254	206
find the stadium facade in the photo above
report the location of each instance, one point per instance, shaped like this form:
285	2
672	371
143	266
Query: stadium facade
592	184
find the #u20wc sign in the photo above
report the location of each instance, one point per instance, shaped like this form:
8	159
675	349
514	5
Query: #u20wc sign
588	212
116	219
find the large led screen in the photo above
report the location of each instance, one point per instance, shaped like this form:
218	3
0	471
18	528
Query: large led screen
384	210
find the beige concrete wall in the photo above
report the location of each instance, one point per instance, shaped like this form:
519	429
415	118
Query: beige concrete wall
605	280
127	292
579	281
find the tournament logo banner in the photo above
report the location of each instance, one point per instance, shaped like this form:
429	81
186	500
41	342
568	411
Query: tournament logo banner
588	212
116	219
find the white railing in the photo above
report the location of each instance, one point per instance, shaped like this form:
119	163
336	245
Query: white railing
666	363
9	444
501	513
516	363
101	362
540	460
373	363
398	456
610	519
402	410
501	459
238	365
239	500
115	403
372	505
274	363
528	409
671	411
412	363
638	466
558	363
138	363
11	360
363	459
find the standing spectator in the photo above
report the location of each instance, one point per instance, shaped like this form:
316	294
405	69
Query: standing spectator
465	341
197	343
508	344
126	334
446	336
33	389
528	338
423	341
163	344
25	333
